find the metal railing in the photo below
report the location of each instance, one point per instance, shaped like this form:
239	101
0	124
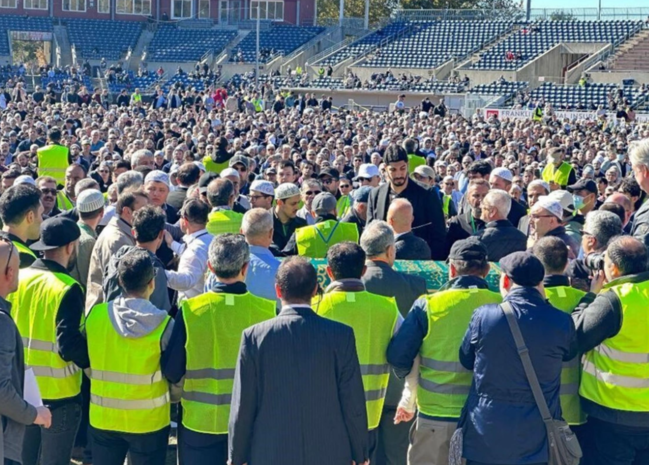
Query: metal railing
518	14
388	40
335	48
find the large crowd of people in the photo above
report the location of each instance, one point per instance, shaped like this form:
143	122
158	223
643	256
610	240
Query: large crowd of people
158	259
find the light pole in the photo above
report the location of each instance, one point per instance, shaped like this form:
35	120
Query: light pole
257	58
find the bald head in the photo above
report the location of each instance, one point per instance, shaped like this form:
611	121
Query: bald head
400	216
623	201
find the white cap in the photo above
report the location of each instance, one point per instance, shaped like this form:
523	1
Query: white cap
200	165
90	200
565	199
157	176
24	179
552	206
286	191
264	187
503	173
230	172
367	171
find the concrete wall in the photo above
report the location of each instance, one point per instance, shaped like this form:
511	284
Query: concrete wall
382	98
548	66
616	77
573	75
486	76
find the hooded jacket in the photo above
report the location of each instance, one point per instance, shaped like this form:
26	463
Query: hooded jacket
112	290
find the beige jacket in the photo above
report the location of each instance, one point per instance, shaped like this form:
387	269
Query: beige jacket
116	235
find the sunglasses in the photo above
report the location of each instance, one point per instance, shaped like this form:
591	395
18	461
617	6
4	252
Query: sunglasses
49	191
312	192
345	186
328	181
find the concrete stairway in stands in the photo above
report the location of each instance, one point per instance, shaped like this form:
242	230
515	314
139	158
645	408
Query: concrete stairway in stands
634	54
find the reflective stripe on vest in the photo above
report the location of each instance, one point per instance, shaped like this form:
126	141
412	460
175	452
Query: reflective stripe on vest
128	393
558	175
443	382
314	241
373	319
35	306
53	161
214	323
616	373
224	221
214	167
566	299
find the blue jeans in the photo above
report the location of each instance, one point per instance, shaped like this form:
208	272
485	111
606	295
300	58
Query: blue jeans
53	446
618	444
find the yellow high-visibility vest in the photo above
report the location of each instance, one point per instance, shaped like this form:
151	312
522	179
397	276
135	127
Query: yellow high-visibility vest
128	393
373	319
35	306
615	374
443	382
53	161
566	299
214	323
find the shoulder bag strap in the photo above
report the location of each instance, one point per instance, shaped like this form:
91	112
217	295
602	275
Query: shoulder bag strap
523	352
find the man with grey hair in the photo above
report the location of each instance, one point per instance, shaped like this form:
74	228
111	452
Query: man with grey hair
126	180
381	278
257	228
204	346
639	156
599	228
499	236
142	157
535	189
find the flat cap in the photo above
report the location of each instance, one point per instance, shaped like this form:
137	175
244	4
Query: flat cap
242	159
523	268
323	203
468	249
362	194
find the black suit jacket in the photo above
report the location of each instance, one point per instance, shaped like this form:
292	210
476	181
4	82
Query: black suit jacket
298	394
380	278
501	238
411	247
177	198
429	217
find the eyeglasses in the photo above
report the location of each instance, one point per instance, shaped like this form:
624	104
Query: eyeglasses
312	192
49	191
11	251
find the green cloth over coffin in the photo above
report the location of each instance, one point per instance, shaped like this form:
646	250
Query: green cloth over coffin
435	273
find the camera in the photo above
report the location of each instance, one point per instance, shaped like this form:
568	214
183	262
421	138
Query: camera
595	261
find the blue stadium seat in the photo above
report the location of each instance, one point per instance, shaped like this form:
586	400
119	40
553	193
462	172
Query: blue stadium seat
547	34
171	43
95	39
281	38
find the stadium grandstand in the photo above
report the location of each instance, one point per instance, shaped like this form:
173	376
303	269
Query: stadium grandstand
467	57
